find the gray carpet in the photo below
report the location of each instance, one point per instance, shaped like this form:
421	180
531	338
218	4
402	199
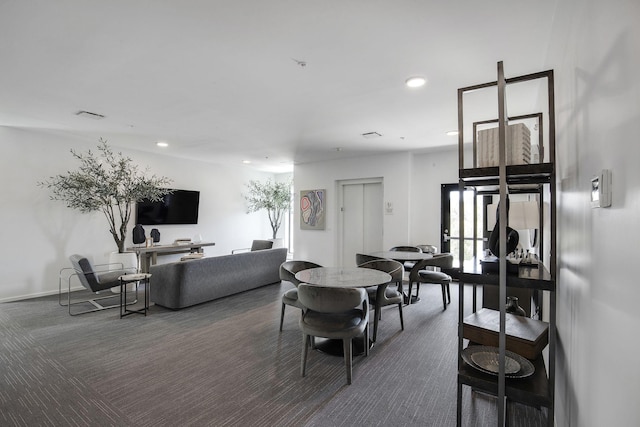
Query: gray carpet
224	363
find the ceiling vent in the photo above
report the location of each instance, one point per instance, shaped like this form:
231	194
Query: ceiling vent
90	115
370	135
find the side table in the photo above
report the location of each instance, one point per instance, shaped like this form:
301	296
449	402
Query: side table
130	278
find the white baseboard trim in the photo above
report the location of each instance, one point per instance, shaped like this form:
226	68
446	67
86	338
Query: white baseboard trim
37	295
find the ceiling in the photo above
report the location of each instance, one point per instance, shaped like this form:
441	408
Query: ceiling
275	82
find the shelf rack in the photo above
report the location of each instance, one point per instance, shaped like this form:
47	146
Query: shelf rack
537	390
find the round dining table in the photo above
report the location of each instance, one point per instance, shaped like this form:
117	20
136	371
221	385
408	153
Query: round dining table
338	277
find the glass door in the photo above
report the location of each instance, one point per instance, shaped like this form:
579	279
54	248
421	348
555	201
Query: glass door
476	234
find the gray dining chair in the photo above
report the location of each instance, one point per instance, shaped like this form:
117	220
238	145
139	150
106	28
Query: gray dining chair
406	249
408	264
422	273
334	313
428	249
288	270
382	295
362	258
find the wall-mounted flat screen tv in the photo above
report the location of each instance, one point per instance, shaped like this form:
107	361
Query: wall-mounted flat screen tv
178	207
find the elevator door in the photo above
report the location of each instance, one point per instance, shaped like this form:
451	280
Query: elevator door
361	212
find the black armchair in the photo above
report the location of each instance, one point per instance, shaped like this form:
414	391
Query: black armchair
257	245
95	280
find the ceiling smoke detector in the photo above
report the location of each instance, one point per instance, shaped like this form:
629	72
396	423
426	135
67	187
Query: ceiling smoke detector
370	135
90	115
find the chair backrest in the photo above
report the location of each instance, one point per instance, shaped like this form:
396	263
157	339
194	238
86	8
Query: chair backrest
259	245
428	249
325	299
362	258
288	270
405	249
444	260
394	268
85	270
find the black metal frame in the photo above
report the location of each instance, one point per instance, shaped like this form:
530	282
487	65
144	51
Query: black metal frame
539	390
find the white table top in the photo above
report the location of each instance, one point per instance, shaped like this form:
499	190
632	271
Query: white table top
134	277
338	277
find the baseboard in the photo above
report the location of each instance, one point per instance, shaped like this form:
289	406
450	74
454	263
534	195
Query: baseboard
37	295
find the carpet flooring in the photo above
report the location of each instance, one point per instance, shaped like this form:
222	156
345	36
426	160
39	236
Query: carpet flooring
224	363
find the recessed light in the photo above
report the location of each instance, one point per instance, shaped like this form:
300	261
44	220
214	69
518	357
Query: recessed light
162	144
452	133
416	81
246	162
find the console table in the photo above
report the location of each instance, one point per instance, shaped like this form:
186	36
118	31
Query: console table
149	255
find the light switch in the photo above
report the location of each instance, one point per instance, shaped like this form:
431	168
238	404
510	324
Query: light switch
601	190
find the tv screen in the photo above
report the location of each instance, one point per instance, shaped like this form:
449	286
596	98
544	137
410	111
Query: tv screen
178	207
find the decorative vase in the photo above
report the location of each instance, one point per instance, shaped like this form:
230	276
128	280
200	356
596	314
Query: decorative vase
155	234
513	307
138	234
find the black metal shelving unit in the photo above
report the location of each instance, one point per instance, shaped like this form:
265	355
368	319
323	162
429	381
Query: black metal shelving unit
538	389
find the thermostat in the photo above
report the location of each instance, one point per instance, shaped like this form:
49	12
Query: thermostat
601	190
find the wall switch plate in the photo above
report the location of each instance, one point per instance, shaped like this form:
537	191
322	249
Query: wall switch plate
601	190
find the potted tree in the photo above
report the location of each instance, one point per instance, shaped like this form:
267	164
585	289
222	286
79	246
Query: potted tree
275	197
107	182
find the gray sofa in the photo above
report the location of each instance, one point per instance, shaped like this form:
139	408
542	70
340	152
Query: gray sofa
182	284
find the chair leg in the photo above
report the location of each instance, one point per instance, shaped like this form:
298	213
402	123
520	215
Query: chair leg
346	346
305	352
409	293
448	293
366	340
376	318
401	318
282	316
444	296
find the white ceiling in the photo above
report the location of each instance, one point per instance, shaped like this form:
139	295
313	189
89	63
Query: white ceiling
220	80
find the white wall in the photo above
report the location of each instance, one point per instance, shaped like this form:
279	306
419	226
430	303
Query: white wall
38	234
595	55
321	246
430	170
411	183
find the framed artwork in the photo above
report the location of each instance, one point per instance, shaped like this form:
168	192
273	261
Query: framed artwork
312	209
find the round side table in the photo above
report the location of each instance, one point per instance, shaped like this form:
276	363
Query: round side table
125	279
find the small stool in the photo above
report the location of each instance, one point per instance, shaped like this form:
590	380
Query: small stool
124	281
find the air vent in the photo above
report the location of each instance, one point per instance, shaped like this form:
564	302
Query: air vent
90	115
370	135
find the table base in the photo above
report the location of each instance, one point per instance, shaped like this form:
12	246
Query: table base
124	311
334	346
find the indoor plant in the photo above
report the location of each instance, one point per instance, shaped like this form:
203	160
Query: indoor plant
107	182
275	197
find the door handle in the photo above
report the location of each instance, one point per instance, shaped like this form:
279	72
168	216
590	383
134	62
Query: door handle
445	236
